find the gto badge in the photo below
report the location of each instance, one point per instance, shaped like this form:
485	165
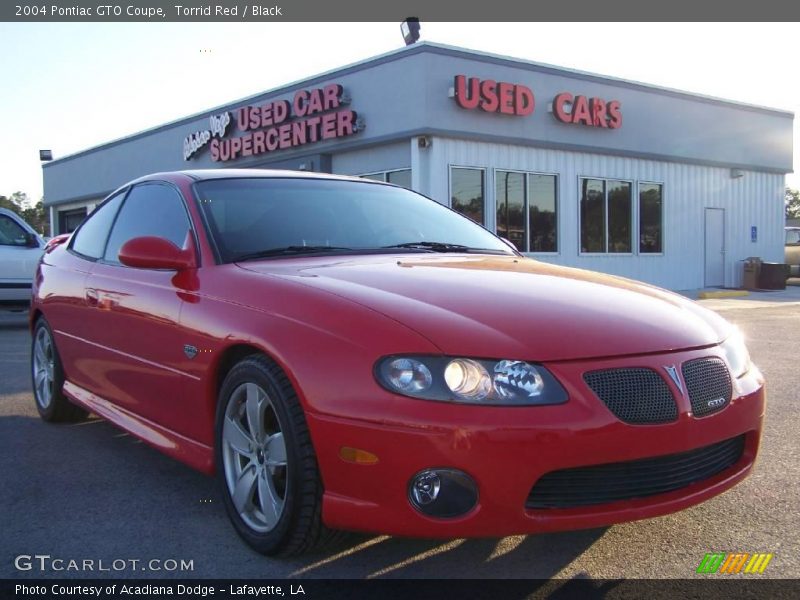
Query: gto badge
672	371
189	350
716	402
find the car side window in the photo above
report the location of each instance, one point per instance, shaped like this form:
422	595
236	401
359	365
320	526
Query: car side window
793	236
11	234
150	209
90	239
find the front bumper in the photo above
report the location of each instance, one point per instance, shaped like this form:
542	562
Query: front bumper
507	449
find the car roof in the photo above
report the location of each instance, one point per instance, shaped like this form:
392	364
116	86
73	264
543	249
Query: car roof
205	174
12	214
18	219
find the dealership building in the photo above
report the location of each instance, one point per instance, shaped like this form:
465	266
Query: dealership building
584	170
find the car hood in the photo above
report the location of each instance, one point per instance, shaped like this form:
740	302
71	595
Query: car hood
510	307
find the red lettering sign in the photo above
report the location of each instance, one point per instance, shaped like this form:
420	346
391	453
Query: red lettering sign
594	112
313	115
328	126
491	96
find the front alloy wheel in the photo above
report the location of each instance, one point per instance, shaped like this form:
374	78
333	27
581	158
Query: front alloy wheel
265	461
254	457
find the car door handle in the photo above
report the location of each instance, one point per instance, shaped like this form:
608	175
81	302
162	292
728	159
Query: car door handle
92	297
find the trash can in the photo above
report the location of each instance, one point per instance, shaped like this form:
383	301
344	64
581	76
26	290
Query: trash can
752	268
772	276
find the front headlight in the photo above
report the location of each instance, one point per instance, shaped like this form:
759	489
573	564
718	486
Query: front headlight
736	354
469	380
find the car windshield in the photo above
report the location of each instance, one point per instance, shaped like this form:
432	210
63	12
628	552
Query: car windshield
266	217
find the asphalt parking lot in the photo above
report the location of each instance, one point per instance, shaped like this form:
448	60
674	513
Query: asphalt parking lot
90	491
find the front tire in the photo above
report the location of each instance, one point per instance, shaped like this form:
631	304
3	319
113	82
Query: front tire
48	378
265	461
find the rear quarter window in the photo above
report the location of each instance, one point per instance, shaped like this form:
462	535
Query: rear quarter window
90	239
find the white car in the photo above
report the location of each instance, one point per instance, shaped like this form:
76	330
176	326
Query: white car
20	249
793	250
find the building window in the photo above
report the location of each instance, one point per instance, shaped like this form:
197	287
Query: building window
401	177
527	210
467	192
620	217
606	216
68	220
593	215
651	215
374	176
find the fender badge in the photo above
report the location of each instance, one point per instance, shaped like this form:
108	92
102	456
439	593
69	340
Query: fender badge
672	371
189	350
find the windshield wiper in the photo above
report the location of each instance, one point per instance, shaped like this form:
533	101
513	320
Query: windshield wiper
441	247
288	250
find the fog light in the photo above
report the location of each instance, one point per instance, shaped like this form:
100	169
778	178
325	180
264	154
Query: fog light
425	488
443	493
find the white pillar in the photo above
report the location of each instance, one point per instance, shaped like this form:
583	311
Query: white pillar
420	164
53	225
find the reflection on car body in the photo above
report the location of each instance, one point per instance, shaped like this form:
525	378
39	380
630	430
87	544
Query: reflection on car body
350	355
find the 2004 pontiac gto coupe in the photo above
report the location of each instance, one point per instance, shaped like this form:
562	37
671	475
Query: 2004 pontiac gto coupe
350	355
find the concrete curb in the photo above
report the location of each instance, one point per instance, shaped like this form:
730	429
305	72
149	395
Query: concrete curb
722	294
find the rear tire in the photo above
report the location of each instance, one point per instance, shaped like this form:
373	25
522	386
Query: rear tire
48	378
265	461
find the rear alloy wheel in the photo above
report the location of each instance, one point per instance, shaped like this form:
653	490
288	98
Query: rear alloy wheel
265	461
48	378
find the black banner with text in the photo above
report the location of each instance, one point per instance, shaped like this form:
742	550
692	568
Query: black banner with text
368	10
389	589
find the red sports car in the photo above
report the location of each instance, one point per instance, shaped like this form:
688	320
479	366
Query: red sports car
350	355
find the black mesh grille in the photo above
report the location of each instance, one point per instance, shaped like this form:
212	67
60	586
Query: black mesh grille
634	395
708	384
601	484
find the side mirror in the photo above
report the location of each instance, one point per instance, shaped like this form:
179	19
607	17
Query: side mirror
31	240
151	252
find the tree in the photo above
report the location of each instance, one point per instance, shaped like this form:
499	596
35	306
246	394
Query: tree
37	217
792	200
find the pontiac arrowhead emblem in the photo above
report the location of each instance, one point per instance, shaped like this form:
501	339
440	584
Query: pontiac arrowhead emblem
189	350
672	371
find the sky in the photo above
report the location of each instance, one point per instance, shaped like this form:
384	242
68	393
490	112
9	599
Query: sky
71	86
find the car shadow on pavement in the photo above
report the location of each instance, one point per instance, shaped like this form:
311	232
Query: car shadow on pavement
530	557
91	490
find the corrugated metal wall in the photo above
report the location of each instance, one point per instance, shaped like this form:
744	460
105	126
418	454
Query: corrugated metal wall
755	199
370	160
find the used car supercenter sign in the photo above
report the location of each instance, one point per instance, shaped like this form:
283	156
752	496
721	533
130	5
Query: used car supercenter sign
312	116
516	99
